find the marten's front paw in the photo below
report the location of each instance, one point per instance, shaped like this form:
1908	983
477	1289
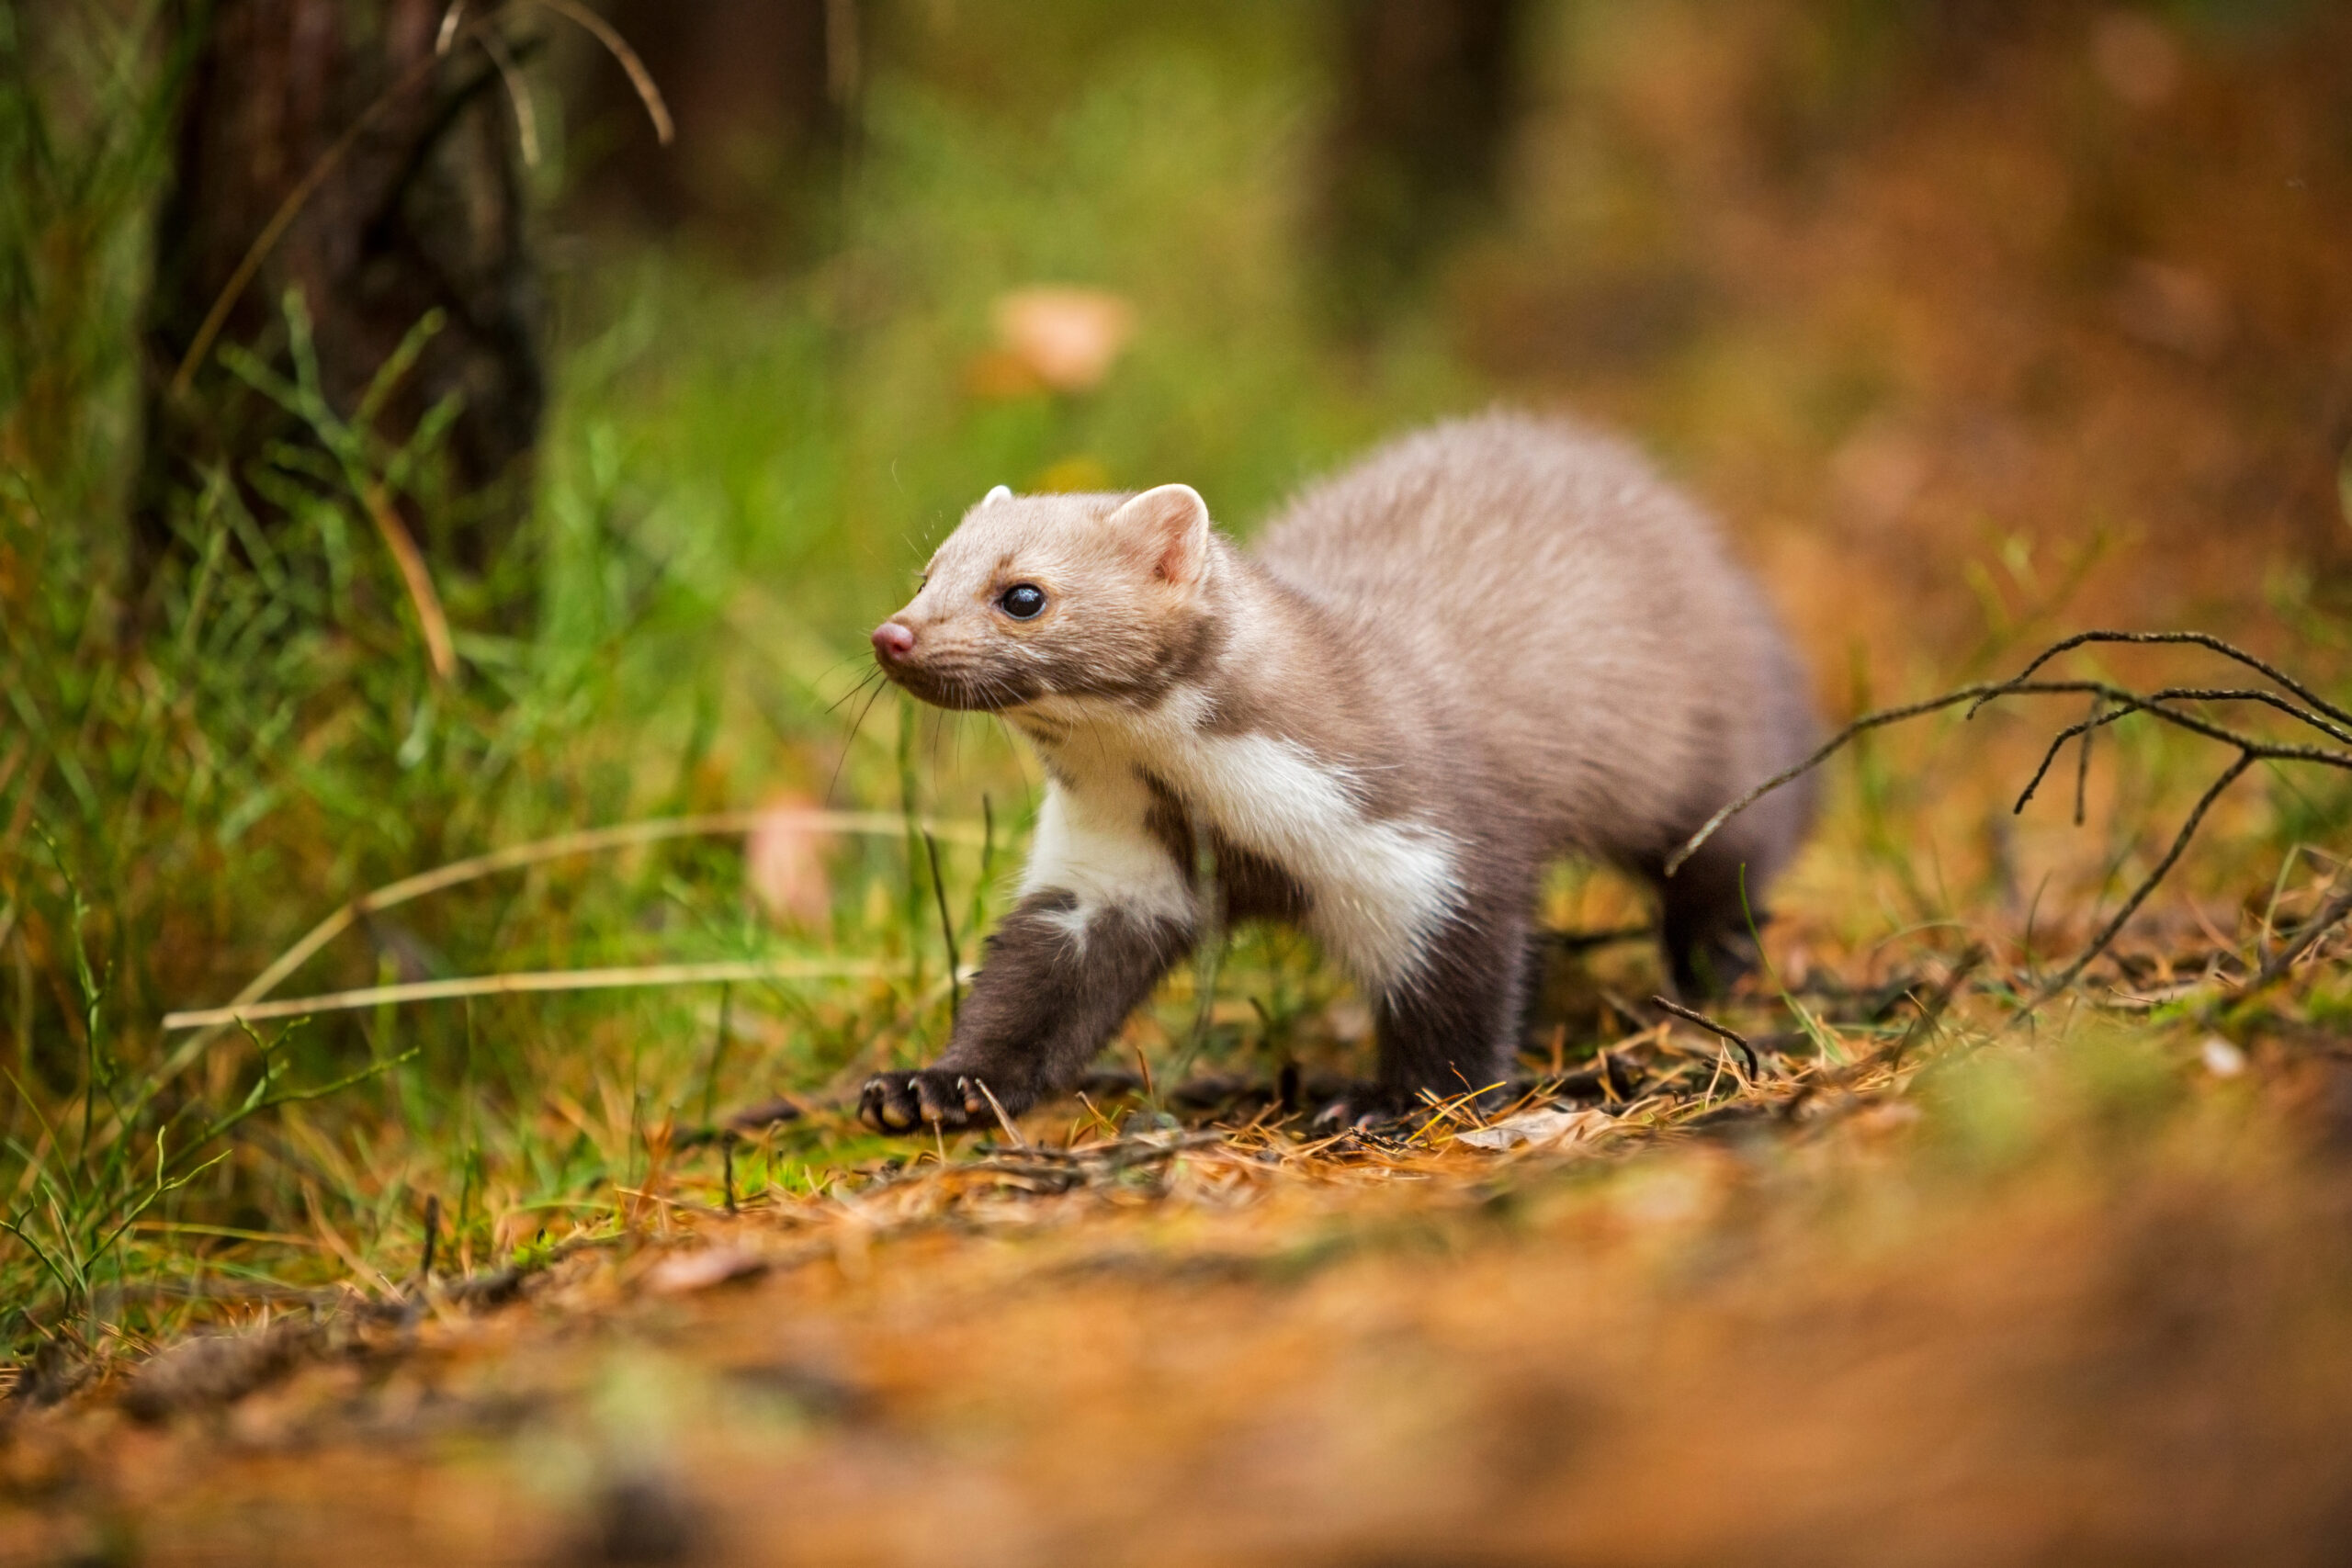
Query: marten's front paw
900	1102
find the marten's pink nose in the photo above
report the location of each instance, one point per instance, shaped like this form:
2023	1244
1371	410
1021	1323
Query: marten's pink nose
892	642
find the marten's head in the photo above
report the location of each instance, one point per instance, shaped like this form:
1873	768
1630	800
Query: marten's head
1058	595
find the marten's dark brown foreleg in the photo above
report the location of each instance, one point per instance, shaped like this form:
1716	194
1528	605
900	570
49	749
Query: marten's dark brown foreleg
1050	992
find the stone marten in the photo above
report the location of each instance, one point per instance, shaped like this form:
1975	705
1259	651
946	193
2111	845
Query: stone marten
1491	643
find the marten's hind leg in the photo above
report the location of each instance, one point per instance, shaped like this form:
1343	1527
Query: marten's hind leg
1705	921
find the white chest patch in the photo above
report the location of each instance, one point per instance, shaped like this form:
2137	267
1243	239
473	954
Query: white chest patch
1092	843
1376	889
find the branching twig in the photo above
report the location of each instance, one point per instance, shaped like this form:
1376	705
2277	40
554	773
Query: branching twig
2110	702
2083	761
2199	640
2114	926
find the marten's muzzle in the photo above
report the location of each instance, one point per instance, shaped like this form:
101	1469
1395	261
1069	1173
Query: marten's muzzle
938	675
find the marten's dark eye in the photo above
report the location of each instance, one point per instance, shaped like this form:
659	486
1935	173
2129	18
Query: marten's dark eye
1023	601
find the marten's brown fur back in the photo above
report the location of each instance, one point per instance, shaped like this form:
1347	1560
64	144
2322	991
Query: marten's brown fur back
1585	622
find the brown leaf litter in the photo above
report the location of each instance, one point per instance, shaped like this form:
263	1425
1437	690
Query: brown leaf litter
2049	1315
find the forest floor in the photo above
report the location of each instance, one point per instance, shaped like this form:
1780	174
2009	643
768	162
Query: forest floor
1921	1289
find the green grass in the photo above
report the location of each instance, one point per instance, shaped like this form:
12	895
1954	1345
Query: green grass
740	474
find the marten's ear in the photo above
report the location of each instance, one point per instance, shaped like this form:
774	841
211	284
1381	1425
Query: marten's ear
1171	527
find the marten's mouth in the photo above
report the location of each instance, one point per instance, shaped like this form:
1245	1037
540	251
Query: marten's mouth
961	691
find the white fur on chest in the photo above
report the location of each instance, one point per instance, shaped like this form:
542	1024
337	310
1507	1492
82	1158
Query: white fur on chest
1376	889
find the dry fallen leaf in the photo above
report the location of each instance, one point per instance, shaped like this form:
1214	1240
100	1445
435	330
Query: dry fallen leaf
1541	1128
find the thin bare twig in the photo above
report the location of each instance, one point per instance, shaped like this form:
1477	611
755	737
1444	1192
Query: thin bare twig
2114	926
2109	704
2117	703
1691	1015
1821	754
2197	640
2083	761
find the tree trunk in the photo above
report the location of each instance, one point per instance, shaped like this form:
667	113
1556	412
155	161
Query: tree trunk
1429	91
762	91
416	207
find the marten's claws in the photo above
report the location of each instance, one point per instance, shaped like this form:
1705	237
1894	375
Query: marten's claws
1367	1108
901	1103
